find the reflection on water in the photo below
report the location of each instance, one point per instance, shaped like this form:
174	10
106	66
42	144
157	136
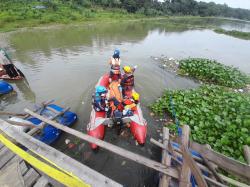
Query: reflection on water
65	63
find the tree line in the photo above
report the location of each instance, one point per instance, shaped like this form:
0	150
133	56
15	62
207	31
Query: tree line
152	7
169	7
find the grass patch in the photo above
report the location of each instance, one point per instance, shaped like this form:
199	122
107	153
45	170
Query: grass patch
19	14
217	117
234	33
211	71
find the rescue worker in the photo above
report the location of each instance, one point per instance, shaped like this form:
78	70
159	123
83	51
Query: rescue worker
130	104
99	99
127	81
115	62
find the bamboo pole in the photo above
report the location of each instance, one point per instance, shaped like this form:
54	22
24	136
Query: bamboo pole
31	125
247	153
11	114
115	149
185	171
166	158
187	159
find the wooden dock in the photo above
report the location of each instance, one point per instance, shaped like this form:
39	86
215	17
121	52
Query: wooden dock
41	165
32	176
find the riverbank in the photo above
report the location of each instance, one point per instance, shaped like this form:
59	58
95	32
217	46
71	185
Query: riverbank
14	16
234	33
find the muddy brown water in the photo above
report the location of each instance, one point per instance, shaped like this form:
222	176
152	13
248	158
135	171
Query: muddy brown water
65	62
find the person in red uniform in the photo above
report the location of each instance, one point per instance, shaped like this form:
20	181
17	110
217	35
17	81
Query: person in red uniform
130	104
128	81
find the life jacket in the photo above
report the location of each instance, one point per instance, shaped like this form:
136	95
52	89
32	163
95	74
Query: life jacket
115	62
129	104
128	80
98	102
115	65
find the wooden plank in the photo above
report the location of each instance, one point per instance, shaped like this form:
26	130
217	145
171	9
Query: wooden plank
14	159
31	125
166	158
30	177
1	146
11	113
212	169
247	153
5	156
41	125
52	110
230	165
233	182
42	182
23	168
65	162
175	150
185	171
214	182
44	104
187	158
115	149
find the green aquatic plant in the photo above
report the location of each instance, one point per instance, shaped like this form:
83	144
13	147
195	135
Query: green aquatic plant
216	115
234	33
211	71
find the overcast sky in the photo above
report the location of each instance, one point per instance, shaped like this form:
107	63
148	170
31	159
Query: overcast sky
232	3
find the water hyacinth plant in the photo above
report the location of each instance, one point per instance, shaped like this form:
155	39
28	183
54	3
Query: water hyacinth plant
217	116
211	71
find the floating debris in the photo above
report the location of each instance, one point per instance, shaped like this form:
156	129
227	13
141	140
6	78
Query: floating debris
170	64
71	145
67	141
152	114
123	163
136	143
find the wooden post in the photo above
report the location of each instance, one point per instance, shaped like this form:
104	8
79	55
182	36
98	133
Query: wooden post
115	149
185	170
212	167
194	168
166	158
247	153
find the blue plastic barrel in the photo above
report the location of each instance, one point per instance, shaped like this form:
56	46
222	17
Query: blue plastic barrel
5	87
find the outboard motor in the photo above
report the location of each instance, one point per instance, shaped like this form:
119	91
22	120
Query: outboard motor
117	117
5	87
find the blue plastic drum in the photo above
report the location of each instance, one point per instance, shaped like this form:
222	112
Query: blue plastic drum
5	87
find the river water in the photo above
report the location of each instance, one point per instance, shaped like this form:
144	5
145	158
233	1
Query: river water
65	62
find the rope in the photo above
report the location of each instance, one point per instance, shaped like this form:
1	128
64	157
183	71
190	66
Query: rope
179	130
